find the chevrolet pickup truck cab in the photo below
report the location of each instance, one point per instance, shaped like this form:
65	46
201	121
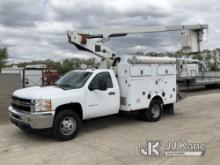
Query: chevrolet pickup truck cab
147	84
91	93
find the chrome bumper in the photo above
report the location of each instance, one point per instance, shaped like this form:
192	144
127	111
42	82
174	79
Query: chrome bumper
37	120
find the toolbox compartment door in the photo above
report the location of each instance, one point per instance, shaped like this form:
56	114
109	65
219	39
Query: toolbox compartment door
140	70
166	69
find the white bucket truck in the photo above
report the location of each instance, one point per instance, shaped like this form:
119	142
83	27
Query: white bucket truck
127	83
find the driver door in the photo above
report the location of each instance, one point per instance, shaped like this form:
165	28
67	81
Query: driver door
101	102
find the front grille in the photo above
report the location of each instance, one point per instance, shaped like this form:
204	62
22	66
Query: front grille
21	99
21	104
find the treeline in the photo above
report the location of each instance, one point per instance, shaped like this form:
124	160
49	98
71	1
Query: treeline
206	53
3	57
62	66
210	57
160	54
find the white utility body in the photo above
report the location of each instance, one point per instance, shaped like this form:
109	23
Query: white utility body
127	83
141	81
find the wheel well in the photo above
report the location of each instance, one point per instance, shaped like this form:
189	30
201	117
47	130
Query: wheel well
158	98
76	107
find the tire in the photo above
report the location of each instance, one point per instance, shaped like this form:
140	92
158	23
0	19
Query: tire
66	125
153	113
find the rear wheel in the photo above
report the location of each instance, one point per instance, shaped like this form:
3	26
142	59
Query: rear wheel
153	113
66	125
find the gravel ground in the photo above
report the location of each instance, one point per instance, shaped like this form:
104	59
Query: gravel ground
115	139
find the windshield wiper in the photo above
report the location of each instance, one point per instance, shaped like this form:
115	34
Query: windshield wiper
64	86
56	85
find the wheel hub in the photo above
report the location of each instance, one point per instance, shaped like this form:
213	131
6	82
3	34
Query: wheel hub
67	125
155	111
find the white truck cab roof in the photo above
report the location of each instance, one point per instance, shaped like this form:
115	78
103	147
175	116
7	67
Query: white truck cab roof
93	70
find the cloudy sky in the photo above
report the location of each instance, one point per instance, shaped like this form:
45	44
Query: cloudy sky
36	29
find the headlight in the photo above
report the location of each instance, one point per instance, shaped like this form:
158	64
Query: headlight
42	105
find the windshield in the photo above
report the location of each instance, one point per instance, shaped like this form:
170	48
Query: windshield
73	80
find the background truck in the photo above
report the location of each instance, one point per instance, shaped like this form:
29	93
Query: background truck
127	83
32	75
193	73
38	75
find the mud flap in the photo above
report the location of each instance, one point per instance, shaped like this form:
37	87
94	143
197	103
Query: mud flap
180	95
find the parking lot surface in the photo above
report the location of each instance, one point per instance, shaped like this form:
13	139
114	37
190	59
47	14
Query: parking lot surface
116	139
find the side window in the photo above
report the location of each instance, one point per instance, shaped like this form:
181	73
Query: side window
101	76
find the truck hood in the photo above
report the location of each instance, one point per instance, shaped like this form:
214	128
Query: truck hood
39	92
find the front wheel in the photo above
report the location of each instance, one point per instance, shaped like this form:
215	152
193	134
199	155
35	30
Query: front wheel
66	125
153	113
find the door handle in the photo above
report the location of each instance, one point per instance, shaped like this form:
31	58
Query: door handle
111	93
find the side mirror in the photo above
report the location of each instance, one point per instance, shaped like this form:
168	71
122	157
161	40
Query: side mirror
92	88
102	85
